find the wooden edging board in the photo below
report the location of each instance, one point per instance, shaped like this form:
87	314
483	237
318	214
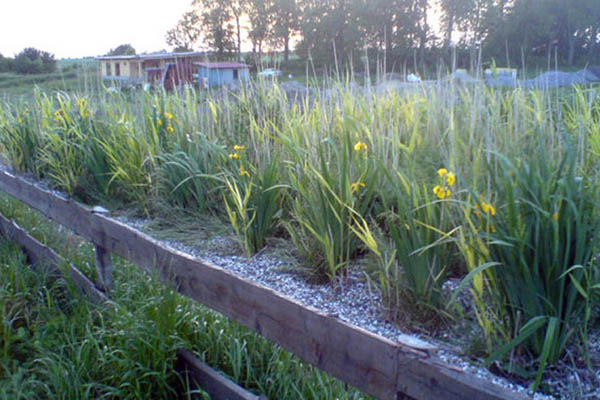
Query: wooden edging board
212	382
377	366
200	375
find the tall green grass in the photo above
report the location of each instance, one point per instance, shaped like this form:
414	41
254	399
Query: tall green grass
345	171
538	243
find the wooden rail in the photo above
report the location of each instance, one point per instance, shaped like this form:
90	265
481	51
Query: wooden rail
198	374
373	364
213	383
39	254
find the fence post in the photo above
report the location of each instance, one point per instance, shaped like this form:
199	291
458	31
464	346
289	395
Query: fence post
104	266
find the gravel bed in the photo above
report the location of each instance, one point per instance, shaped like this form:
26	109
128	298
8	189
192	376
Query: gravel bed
355	303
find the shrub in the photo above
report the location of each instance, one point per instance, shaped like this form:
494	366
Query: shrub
33	61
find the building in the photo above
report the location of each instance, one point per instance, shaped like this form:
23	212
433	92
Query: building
170	70
212	74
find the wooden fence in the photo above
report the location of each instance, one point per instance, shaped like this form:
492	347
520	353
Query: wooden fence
380	367
198	374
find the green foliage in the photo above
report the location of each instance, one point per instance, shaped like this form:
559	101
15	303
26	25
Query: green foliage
33	61
63	134
5	64
327	197
122	50
253	199
419	228
59	346
215	23
538	246
186	177
186	32
20	139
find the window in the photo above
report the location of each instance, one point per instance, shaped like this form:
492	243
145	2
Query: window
235	74
117	69
108	72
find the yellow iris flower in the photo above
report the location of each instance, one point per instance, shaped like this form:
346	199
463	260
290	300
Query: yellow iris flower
441	193
360	146
356	186
450	179
243	172
488	208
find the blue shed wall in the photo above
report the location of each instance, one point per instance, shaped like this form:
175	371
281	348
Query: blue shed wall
221	76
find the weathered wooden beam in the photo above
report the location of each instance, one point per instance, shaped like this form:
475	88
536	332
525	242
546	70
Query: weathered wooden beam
375	365
210	380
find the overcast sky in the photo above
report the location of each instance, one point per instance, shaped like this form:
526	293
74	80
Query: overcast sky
79	28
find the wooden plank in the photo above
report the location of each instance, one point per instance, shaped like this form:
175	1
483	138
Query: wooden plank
438	381
211	381
40	254
354	355
373	364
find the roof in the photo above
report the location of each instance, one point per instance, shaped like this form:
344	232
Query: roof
152	56
222	65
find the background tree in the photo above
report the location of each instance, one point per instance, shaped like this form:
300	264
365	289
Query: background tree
285	17
5	63
216	27
456	15
186	33
576	26
33	61
237	11
122	50
260	15
330	30
378	19
513	32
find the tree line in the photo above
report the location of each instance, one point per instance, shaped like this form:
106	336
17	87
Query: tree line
29	61
423	31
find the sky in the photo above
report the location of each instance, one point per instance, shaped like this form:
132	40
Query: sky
80	28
